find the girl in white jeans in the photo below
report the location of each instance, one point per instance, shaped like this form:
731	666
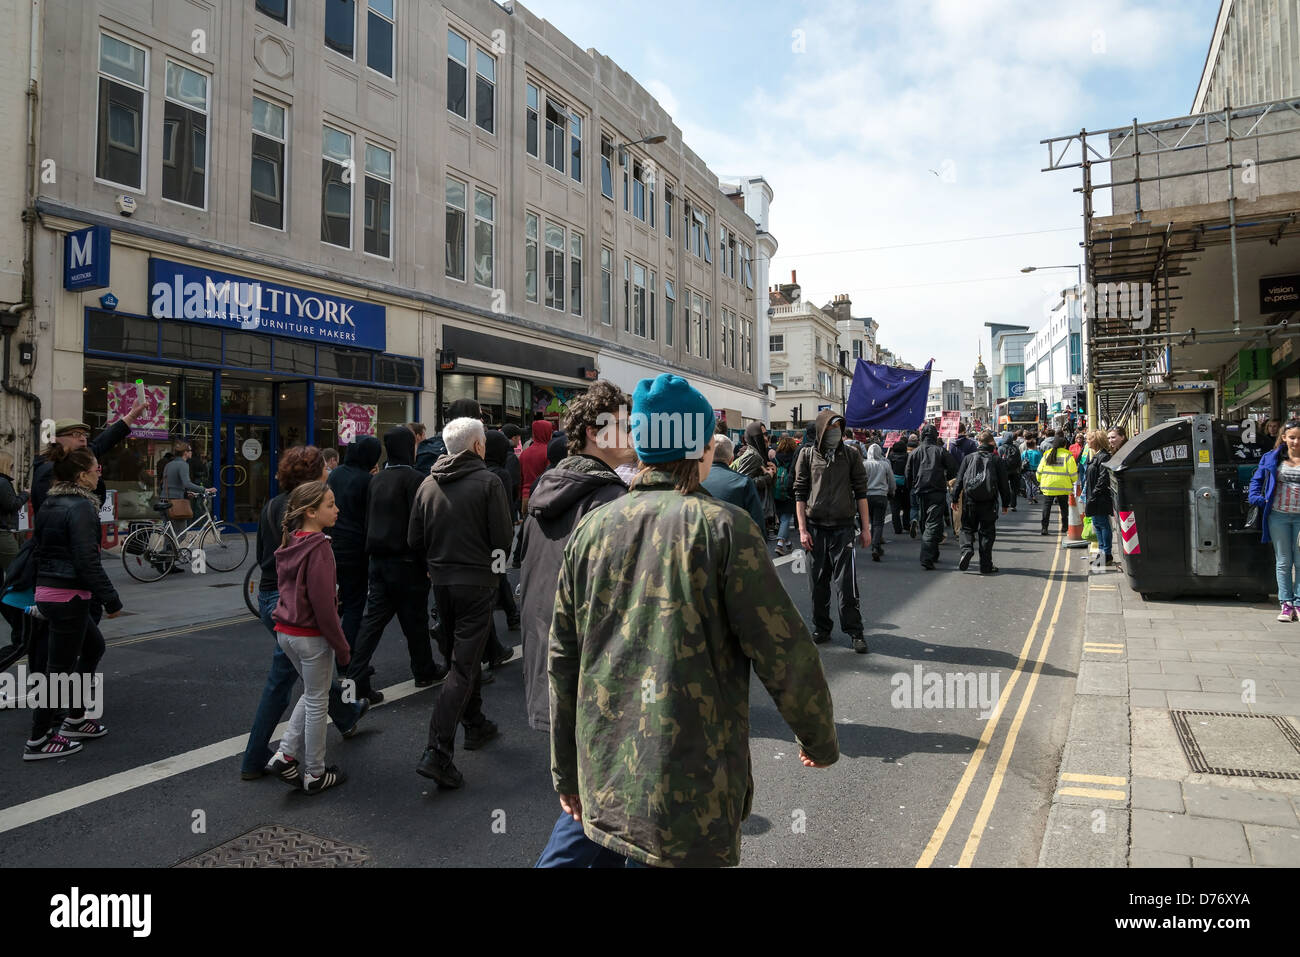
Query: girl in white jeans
309	632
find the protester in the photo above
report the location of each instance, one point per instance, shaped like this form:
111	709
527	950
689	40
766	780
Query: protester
752	462
11	503
350	483
961	446
880	489
981	480
399	581
331	457
729	486
783	493
515	435
1010	454
902	502
177	487
431	449
460	524
1098	499
649	706
497	460
71	434
556	449
69	579
1029	461
929	469
1275	490
1057	475
533	460
913	503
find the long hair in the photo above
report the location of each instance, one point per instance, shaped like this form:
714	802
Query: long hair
1286	427
306	496
685	473
1053	454
1097	441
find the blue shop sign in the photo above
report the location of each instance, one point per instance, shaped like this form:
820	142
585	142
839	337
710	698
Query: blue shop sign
86	255
194	294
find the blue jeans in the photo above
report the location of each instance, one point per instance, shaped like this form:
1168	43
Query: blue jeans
570	847
783	529
277	692
1105	534
1284	529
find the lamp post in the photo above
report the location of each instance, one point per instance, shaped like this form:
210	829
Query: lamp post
652	140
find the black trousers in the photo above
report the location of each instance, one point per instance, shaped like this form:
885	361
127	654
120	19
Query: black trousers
1056	501
72	645
879	508
354	583
1013	479
833	557
495	648
466	613
933	506
979	523
398	588
900	508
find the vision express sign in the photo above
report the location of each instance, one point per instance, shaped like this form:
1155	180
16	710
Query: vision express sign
194	294
1279	294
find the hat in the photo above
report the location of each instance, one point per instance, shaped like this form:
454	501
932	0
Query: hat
670	420
64	426
512	431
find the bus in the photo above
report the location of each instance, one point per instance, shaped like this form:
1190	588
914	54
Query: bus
1016	414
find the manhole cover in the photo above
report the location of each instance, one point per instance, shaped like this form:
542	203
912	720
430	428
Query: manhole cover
276	846
1240	745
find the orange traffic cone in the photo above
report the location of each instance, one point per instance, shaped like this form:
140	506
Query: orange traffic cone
1074	532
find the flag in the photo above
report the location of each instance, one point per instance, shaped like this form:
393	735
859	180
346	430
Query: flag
885	397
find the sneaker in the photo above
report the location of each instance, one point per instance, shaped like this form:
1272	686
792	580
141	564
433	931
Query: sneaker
820	639
964	562
486	677
365	706
507	655
913	529
284	767
50	746
439	769
82	728
480	734
329	778
425	682
990	571
1288	610
860	645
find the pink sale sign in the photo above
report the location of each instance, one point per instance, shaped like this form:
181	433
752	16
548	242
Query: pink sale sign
152	423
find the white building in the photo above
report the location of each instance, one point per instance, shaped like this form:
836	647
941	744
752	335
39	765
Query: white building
1053	359
803	347
757	194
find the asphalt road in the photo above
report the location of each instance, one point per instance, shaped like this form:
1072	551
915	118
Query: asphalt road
914	782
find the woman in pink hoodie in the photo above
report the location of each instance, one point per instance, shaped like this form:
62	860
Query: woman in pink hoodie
533	461
309	631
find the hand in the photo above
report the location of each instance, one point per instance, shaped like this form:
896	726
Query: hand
343	659
113	614
805	540
572	805
1004	510
212	491
865	538
809	762
136	409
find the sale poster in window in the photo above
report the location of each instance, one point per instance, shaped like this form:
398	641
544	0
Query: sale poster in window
152	422
355	420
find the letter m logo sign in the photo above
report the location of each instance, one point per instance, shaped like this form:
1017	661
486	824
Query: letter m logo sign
86	258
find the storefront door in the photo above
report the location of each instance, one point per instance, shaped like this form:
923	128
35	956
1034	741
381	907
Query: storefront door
246	475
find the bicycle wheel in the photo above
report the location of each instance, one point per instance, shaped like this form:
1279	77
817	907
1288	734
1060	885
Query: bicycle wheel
148	554
252	583
225	546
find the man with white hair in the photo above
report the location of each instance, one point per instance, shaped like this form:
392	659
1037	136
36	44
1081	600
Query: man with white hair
461	524
730	486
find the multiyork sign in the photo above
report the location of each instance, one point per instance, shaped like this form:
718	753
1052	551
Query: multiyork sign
86	258
180	291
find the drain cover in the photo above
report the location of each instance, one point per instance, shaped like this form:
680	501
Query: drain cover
1240	745
276	846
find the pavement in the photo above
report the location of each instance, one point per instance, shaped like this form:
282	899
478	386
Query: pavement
178	600
1132	791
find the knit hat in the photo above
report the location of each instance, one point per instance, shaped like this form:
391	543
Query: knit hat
670	420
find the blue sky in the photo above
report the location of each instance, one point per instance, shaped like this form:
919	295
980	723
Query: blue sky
847	107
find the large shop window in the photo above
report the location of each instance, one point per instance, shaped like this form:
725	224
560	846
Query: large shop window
389	410
503	400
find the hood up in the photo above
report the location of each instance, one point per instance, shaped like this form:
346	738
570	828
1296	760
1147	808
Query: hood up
824	420
572	480
498	448
399	443
756	440
875	454
542	431
364	453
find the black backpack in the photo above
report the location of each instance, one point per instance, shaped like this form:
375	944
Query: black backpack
981	483
1010	453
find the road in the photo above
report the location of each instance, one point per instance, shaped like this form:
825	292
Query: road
932	785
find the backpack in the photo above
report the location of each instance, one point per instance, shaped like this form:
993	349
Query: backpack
1010	453
784	490
981	483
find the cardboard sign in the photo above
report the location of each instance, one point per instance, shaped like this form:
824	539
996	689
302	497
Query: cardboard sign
152	423
948	426
108	511
891	438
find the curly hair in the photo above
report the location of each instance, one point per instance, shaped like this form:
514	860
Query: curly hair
302	463
585	412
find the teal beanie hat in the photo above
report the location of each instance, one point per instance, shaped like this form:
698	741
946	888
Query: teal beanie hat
670	420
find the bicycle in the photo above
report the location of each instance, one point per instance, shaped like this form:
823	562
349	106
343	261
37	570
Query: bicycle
153	548
253	584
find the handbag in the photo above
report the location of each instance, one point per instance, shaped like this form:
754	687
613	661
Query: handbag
181	508
1255	518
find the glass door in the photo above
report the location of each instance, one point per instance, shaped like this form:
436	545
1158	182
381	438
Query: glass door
247	475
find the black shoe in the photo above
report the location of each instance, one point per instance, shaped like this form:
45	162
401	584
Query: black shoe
964	562
928	566
990	571
374	697
286	769
485	677
365	706
820	639
425	682
1110	559
480	734
252	775
875	556
329	778
440	769
913	529
860	645
1043	532
506	655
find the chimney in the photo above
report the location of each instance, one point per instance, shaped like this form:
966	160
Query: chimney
794	278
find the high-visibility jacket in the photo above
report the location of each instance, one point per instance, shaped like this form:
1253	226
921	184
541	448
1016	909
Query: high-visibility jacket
1058	479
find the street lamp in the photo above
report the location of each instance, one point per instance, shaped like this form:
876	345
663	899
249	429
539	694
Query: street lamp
1078	267
652	140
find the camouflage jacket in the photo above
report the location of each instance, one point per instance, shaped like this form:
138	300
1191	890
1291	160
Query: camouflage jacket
664	602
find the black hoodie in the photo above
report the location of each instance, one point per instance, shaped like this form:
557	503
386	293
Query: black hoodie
561	497
460	523
389	498
498	459
350	482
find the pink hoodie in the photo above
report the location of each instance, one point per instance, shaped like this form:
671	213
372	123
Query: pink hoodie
307	576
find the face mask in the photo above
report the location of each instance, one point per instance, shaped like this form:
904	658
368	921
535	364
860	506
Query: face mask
833	438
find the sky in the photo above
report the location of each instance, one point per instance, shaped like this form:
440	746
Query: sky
898	134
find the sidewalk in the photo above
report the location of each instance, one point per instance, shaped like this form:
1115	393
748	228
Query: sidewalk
1184	742
174	601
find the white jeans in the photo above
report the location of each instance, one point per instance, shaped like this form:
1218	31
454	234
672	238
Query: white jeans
313	658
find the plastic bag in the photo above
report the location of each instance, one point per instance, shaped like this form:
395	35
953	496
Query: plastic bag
1089	533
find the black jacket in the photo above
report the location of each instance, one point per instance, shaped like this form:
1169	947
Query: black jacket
498	460
429	451
67	545
929	468
350	482
269	536
1099	499
831	487
43	471
390	497
10	504
561	496
999	470
460	523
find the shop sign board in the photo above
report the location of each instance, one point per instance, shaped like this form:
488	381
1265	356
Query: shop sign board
86	258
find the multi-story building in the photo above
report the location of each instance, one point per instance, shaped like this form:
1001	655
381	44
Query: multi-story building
1007	359
980	409
806	369
857	339
1254	56
269	184
757	196
1054	357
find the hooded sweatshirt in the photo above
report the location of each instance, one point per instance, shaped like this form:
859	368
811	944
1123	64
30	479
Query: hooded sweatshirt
577	485
533	461
308	605
880	476
350	482
389	498
460	522
498	458
830	481
751	461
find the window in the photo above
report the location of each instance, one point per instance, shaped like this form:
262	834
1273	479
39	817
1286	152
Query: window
722	245
688	319
379	201
704	234
724	323
340	25
530	118
731	338
654	283
267	178
575	273
627	295
778	380
606	167
624	162
728	253
650	183
857	348
638	190
484	218
485	91
698	331
640	306
456	193
275	9
747	345
123	85
668	210
606	286
824	383
692	234
457	74
670	305
697	232
707	338
530	257
185	137
746	264
555	120
554	267
380	30
575	147
776	343
336	188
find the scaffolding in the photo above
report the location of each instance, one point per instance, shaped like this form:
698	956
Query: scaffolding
1158	245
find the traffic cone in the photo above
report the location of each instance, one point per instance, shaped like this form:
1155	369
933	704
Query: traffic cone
1074	532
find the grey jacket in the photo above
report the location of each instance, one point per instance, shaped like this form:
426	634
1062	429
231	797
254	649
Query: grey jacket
831	485
176	479
880	474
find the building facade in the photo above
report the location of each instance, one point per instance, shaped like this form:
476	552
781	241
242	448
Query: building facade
269	186
1254	55
1053	359
806	368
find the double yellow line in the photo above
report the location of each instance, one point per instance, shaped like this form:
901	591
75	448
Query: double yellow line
999	772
